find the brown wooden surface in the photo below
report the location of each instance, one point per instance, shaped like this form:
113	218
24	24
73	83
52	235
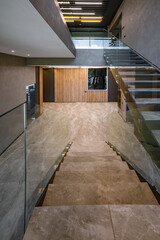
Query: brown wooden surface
71	86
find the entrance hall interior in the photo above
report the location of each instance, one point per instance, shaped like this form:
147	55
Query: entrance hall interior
79	120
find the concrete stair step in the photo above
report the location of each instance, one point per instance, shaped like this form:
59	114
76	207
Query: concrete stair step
93	166
91	154
92	159
67	177
98	194
94	222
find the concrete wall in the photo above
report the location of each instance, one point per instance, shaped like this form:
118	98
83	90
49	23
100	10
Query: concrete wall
141	22
84	57
14	77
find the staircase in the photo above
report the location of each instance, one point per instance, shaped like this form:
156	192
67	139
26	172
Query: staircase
95	195
139	87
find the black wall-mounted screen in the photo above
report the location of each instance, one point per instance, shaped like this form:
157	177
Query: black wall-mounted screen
97	79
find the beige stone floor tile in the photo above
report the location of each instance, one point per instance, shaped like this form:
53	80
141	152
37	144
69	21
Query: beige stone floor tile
70	222
136	222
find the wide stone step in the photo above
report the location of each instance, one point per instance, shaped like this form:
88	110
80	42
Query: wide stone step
91	154
67	177
98	194
70	223
92	159
93	166
99	146
94	222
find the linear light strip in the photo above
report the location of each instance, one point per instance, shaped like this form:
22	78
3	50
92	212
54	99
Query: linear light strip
91	21
71	9
64	2
88	3
71	17
68	13
67	17
93	17
79	20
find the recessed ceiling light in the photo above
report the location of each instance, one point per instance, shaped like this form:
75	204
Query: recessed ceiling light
79	13
71	8
88	3
28	55
13	51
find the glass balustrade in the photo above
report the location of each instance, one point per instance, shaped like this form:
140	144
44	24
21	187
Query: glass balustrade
29	150
12	173
139	106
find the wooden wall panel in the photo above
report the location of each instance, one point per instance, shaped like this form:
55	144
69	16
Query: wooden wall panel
71	86
97	96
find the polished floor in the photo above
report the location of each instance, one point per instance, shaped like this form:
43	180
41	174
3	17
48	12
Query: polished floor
46	137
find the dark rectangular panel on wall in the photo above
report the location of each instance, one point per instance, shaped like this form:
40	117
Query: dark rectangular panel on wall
112	88
71	86
48	85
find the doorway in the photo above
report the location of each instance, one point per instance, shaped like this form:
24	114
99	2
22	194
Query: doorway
48	85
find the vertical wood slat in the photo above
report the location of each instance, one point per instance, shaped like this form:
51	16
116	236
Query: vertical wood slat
71	86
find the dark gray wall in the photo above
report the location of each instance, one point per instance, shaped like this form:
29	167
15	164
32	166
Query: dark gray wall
14	77
141	21
84	57
51	13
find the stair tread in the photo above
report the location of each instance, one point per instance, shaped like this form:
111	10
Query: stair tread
148	100
92	194
94	166
70	222
92	154
93	158
95	177
151	115
94	222
100	146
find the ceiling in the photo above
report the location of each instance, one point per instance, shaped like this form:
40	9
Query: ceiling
91	9
23	32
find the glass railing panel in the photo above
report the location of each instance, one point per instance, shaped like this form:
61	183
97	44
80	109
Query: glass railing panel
46	138
119	54
128	133
140	103
12	174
